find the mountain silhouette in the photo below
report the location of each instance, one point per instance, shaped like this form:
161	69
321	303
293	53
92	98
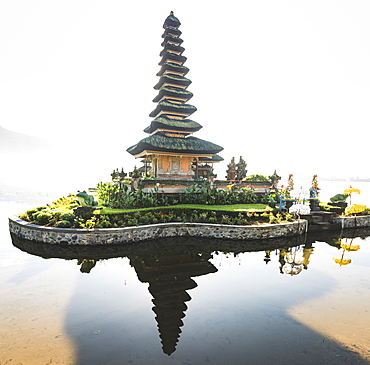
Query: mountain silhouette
14	142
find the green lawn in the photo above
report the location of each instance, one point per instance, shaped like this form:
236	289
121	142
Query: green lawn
224	208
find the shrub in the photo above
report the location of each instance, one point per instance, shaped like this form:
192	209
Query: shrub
212	220
29	213
104	224
226	220
70	200
91	223
91	220
67	216
42	217
64	224
116	196
257	178
145	219
203	217
240	220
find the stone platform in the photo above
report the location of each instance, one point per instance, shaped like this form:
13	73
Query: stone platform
319	221
101	236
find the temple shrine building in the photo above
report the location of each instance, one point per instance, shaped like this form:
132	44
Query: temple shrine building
171	151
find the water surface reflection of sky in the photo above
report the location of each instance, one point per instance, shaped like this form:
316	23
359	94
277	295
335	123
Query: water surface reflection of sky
185	302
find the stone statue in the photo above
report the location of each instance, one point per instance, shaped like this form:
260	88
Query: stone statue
339	198
86	200
231	170
275	178
241	169
314	190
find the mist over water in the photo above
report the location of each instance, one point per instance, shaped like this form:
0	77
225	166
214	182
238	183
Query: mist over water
63	164
56	169
60	171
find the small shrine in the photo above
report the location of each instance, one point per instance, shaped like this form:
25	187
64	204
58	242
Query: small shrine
171	151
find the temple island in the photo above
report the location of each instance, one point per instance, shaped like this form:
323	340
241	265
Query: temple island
178	177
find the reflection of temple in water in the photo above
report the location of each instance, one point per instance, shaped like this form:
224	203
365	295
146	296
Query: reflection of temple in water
169	266
292	260
170	277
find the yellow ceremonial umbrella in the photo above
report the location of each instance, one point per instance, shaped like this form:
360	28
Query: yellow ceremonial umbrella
342	261
346	247
355	208
350	191
350	247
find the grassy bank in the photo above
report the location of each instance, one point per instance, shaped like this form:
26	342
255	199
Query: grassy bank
223	208
62	213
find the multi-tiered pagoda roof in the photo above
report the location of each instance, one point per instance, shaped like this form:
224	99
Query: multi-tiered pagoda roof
171	129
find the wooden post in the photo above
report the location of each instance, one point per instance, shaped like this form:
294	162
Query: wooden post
155	166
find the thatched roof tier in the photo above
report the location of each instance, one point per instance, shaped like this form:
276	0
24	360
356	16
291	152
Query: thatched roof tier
172	47
174	68
214	158
167	107
161	143
174	93
148	161
171	21
171	31
185	125
171	38
168	56
171	79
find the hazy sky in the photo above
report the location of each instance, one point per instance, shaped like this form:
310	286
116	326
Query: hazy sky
285	84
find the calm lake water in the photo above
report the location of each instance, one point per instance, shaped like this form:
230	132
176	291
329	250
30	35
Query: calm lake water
185	301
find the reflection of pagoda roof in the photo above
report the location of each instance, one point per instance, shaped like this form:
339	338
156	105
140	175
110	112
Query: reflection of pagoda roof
177	80
174	93
167	56
169	273
173	124
169	107
167	66
160	142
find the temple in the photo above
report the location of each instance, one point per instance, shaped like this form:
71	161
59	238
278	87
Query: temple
171	151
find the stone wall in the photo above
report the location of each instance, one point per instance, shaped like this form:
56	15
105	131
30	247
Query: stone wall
101	236
353	222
